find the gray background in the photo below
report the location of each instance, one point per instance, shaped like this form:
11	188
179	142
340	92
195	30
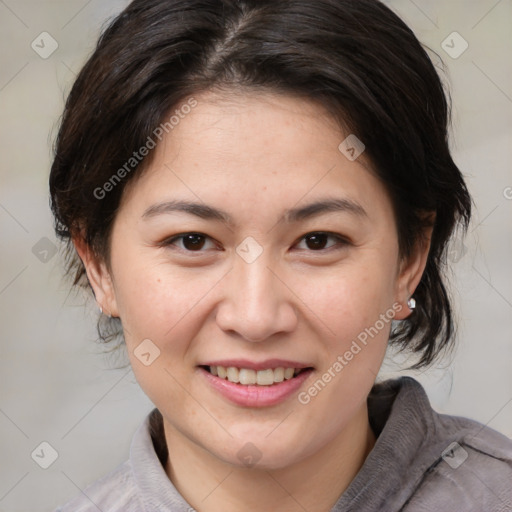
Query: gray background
56	386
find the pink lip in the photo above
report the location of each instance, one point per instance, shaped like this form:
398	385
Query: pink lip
251	365
255	396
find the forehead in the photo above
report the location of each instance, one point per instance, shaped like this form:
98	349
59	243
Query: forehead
272	150
254	126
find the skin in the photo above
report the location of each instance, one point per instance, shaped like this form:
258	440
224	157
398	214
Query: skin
256	156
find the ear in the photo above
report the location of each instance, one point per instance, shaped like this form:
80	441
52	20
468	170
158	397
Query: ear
411	269
98	275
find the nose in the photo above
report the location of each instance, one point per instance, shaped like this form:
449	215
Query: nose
256	303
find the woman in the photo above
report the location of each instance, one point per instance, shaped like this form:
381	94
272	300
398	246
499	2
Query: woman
260	196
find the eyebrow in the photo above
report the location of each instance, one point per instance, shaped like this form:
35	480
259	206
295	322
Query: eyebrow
321	207
308	211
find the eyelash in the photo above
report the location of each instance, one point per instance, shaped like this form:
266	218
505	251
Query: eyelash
340	241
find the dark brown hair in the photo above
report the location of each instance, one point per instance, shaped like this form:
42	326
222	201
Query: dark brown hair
356	58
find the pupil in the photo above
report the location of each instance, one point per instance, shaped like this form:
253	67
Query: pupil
193	242
316	241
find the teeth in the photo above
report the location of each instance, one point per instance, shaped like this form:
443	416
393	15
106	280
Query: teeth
248	377
265	377
288	373
279	375
233	374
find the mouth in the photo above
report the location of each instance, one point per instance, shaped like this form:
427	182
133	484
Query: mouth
251	377
250	384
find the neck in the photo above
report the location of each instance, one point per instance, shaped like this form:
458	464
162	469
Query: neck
314	483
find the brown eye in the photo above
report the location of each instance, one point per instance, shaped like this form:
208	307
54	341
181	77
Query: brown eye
319	241
191	242
316	241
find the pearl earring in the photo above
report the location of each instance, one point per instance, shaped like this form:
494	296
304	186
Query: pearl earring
411	303
101	312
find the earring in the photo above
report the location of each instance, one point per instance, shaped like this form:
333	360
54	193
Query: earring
101	312
411	303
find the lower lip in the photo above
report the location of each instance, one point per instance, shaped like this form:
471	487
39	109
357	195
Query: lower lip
256	396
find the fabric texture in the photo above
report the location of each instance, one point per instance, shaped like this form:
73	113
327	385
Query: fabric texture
422	461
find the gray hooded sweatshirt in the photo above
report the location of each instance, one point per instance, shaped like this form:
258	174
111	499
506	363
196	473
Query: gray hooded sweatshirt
422	461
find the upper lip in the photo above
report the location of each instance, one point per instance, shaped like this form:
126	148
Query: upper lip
256	365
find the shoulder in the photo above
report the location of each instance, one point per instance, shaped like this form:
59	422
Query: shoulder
140	483
424	461
471	472
115	491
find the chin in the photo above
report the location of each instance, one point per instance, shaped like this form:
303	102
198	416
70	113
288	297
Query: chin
260	452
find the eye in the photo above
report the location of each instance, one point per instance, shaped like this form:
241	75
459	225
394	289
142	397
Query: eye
191	242
320	240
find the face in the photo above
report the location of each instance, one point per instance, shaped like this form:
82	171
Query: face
252	242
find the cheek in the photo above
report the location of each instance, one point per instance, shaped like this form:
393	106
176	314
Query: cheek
351	299
156	301
355	304
163	307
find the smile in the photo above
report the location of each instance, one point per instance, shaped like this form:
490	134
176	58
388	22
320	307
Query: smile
248	376
263	385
